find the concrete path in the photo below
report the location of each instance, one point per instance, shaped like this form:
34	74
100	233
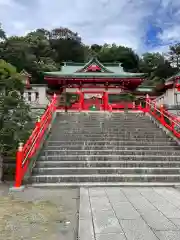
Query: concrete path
129	214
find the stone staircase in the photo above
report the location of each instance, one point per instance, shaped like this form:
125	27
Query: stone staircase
95	149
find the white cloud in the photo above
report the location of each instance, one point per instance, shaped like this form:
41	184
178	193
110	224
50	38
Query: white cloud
6	3
170	34
121	21
160	49
169	20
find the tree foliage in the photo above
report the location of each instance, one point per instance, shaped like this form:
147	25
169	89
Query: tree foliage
174	55
157	67
2	33
15	120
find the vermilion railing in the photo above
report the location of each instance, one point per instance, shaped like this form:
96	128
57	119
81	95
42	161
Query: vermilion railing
26	152
171	122
126	105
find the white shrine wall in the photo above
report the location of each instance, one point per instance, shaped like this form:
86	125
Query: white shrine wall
36	96
170	97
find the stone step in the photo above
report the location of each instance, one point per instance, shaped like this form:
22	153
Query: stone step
91	121
121	129
112	135
171	178
104	126
96	158
86	146
97	152
101	131
104	117
126	131
105	170
109	125
108	163
105	123
105	184
107	120
163	142
125	138
117	127
100	114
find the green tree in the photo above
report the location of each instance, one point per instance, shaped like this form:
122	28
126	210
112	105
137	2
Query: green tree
67	45
2	33
95	49
157	68
124	55
174	55
150	61
32	53
15	119
16	50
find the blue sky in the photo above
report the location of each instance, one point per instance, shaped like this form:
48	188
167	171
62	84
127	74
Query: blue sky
144	25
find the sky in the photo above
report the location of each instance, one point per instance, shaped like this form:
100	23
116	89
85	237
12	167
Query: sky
144	25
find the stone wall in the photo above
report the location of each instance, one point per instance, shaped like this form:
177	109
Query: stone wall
170	97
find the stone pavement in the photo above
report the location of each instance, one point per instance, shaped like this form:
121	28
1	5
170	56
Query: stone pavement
129	214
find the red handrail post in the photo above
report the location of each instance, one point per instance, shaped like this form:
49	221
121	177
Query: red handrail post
19	159
54	102
110	108
173	125
38	123
154	107
134	105
147	103
38	126
162	114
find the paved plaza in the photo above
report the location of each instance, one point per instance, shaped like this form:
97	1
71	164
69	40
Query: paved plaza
107	213
129	214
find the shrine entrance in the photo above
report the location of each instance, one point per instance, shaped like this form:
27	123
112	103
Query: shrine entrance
84	100
93	101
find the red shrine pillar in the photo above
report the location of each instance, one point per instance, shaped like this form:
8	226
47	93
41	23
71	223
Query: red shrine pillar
105	99
81	100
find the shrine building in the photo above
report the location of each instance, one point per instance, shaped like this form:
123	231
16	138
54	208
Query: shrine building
102	85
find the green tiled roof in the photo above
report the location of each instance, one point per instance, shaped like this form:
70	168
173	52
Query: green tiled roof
109	70
67	70
91	74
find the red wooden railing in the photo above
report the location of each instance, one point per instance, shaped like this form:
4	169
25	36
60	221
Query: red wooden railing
125	105
26	152
171	122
